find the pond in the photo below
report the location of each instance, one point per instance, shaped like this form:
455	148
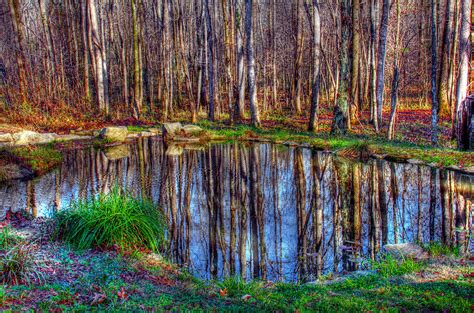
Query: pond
262	210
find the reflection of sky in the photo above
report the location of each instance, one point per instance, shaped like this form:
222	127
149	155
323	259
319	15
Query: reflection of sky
85	173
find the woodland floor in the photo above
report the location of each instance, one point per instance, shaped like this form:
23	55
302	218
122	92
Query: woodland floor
106	280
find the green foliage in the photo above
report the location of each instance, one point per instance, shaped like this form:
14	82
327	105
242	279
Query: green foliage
389	266
17	266
437	249
7	239
114	219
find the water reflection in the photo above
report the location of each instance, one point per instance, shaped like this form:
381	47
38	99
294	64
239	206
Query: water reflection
262	210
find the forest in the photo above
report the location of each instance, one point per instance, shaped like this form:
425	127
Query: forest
327	65
237	155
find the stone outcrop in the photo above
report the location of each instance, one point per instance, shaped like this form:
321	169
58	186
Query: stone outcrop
192	129
116	133
28	137
406	250
170	130
6	137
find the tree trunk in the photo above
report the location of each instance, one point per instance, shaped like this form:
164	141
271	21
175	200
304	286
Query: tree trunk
381	61
443	83
434	69
254	111
96	52
15	12
210	67
341	120
137	70
464	58
316	63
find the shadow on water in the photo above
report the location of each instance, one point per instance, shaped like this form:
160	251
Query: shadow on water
262	210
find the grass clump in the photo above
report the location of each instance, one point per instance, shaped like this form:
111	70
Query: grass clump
389	266
18	266
110	220
437	249
8	239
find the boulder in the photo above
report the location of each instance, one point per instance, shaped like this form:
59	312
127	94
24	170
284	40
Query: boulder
155	131
27	137
192	129
6	137
171	129
146	134
72	137
116	134
406	250
117	152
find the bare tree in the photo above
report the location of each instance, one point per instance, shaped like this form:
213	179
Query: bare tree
254	111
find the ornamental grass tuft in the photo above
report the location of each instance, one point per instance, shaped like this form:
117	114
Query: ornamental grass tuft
116	219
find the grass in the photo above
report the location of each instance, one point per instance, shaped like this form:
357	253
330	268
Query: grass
105	280
345	145
389	266
17	266
112	220
436	249
40	159
8	239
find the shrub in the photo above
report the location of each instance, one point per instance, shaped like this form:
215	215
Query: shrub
114	219
436	249
18	266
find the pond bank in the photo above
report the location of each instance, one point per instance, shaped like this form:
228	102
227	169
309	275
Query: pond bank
64	279
39	157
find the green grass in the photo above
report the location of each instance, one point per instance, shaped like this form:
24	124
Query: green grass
394	150
40	158
436	249
389	266
8	239
85	276
114	219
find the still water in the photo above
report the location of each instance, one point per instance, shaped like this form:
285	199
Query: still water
262	210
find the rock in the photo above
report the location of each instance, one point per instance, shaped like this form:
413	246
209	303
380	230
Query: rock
6	137
186	139
27	137
416	162
14	171
72	137
146	134
468	170
114	133
155	131
133	136
192	129
174	150
117	152
453	168
171	129
406	250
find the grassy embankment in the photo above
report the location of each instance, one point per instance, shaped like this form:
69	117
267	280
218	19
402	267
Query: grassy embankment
119	271
348	145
